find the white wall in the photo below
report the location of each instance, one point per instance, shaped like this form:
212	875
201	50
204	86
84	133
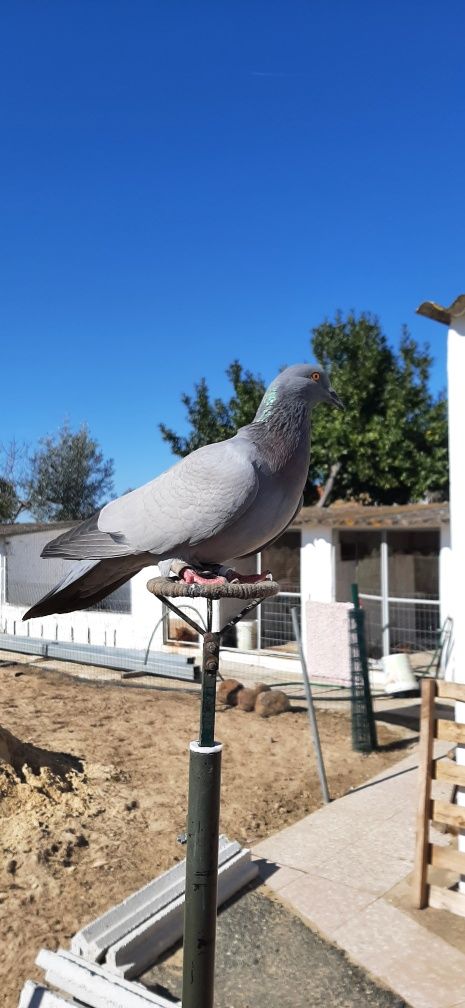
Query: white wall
102	627
113	629
328	654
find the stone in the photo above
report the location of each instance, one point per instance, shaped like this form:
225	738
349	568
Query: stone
261	687
227	692
272	702
246	699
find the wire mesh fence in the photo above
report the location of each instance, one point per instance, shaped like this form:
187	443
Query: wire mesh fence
412	625
275	631
363	723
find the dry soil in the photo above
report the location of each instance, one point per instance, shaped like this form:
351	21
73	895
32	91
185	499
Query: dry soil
93	782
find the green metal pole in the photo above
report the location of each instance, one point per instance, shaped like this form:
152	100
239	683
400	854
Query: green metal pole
203	819
210	663
364	736
201	876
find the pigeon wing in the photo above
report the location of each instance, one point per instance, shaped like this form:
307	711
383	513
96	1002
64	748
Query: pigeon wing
198	498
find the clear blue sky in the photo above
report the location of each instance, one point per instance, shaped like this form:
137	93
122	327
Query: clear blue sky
183	183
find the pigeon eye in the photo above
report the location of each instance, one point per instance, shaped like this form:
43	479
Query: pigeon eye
315	375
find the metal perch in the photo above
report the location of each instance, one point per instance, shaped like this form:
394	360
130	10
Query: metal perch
204	786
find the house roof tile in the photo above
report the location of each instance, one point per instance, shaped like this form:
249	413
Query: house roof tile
402	516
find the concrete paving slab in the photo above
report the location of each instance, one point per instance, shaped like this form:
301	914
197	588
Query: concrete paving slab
377	874
276	876
419	966
323	903
349	856
300	852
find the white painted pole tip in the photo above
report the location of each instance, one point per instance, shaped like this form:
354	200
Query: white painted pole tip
205	750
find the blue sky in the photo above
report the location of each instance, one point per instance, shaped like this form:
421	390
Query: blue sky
184	183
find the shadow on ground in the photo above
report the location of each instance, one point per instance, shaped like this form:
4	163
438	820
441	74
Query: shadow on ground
409	717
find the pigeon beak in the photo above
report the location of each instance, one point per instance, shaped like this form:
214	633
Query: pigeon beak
335	400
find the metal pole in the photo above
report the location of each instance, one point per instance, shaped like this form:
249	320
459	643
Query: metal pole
367	740
385	593
201	876
203	819
201	892
311	710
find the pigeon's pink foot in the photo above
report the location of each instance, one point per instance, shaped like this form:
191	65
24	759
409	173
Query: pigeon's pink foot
192	577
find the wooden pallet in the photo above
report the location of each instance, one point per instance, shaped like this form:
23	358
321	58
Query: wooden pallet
428	854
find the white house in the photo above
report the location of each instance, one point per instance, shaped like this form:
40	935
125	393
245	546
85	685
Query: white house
399	556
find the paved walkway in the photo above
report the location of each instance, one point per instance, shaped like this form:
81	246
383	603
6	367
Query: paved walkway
345	870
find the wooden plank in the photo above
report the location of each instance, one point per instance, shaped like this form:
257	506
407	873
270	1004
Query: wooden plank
425	761
451	691
447	899
447	857
450	731
453	815
448	770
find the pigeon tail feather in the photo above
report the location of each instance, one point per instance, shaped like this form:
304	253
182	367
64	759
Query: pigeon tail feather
88	583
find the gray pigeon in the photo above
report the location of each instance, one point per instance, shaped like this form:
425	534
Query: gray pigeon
224	501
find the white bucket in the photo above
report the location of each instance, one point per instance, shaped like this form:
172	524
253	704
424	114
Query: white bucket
246	635
398	674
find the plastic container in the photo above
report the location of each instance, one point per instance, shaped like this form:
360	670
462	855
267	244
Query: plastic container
398	675
246	635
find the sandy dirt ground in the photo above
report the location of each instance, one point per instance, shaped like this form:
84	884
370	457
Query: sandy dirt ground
93	795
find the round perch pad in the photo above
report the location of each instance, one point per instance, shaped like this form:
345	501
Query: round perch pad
172	588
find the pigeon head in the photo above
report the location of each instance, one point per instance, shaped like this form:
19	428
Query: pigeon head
307	382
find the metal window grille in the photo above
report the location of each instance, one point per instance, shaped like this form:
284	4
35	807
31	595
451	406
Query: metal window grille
275	631
413	625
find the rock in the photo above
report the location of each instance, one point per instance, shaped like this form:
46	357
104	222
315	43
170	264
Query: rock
227	692
246	699
272	702
131	805
261	687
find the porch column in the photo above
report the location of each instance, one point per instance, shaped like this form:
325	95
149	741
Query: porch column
446	591
454	317
317	571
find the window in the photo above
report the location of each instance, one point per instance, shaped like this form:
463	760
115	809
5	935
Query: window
359	561
413	564
283	560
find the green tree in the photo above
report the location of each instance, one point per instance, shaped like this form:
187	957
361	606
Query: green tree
216	420
10	504
13	462
391	442
68	477
392	439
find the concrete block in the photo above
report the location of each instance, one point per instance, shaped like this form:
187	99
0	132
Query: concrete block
94	985
35	996
170	666
94	939
141	948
